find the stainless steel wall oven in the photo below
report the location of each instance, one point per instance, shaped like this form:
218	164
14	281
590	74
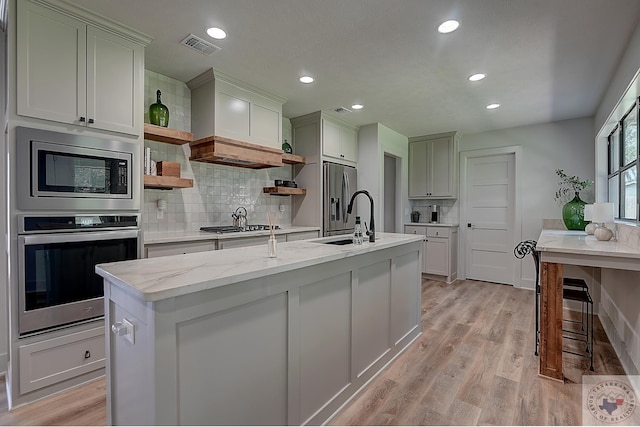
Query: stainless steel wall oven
75	172
57	284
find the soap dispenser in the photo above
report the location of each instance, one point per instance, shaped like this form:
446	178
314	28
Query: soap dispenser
357	232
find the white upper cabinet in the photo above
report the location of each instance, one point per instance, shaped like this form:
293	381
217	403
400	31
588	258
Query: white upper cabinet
339	141
73	72
433	167
224	107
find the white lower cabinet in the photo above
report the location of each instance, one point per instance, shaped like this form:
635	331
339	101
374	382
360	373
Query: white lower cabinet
51	361
179	248
154	250
246	241
440	250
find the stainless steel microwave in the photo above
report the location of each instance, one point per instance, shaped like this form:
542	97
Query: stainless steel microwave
59	171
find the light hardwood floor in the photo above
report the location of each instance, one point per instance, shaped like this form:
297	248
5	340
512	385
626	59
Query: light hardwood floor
474	364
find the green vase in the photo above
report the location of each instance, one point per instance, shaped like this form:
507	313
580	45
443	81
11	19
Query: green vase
286	147
158	112
573	214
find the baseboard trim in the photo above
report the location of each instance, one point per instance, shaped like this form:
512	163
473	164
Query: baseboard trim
607	312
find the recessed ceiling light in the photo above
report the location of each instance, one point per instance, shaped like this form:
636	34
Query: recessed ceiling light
216	33
357	106
448	26
306	79
492	106
476	77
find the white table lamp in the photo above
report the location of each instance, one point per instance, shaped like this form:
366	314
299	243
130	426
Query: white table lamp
602	213
588	216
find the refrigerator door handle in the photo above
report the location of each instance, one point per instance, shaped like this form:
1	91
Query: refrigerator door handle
333	208
346	193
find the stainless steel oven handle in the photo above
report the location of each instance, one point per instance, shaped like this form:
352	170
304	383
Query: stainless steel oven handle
78	237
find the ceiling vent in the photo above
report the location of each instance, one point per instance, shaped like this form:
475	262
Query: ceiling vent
202	46
341	110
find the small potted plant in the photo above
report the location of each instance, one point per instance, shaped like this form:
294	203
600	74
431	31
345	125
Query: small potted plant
573	210
415	216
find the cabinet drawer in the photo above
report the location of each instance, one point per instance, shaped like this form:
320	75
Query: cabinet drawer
438	232
247	241
154	251
415	229
58	359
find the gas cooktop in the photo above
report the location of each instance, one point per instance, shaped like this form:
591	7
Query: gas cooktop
220	229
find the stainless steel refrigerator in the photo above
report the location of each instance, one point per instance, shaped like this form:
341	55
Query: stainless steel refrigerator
340	182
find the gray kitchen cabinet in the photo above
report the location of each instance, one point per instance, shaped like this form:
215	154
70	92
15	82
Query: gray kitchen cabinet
339	141
440	250
225	107
76	71
48	362
433	166
246	241
317	136
179	248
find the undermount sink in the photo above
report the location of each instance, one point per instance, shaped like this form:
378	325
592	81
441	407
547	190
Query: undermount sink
348	241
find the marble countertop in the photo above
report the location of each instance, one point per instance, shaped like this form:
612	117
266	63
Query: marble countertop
154	279
578	242
190	236
430	224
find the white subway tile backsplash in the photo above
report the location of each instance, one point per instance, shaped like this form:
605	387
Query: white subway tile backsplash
217	189
448	210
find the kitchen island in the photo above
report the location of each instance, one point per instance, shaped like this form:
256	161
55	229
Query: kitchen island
234	337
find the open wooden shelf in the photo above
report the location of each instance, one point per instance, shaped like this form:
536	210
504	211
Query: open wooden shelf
168	135
166	182
284	191
293	159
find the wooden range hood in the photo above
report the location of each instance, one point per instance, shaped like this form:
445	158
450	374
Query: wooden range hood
227	151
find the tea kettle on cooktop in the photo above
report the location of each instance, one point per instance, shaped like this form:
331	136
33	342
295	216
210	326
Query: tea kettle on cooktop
240	217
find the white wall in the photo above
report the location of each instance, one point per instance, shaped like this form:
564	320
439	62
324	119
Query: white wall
620	308
566	144
374	141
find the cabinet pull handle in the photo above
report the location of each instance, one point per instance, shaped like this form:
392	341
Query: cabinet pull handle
87	354
82	119
91	121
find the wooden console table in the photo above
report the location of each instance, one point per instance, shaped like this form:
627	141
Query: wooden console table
557	248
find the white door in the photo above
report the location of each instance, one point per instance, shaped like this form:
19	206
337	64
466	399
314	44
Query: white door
489	213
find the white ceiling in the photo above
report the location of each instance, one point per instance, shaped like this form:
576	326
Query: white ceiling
545	60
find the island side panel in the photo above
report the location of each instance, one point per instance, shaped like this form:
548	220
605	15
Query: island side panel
325	342
130	366
405	297
241	360
551	321
371	315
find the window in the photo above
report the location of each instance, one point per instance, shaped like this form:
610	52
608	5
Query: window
623	166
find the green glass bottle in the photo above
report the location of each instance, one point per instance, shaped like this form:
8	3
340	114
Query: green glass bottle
573	214
158	112
286	147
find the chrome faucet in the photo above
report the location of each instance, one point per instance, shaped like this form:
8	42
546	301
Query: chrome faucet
371	232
